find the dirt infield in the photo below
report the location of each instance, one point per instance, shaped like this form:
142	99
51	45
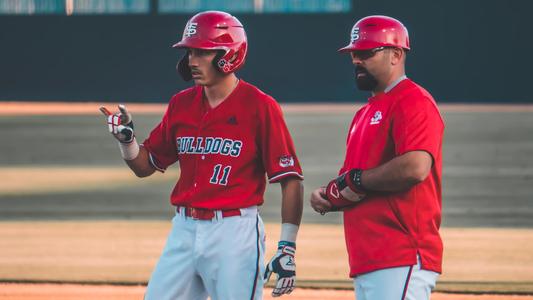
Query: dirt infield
63	108
124	252
103	292
11	108
51	179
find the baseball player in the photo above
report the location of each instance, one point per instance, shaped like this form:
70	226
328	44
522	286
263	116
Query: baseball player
226	135
389	187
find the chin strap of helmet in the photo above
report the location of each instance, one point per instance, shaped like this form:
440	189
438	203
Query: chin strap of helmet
183	67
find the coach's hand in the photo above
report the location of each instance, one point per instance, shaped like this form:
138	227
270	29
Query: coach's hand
319	201
120	124
285	268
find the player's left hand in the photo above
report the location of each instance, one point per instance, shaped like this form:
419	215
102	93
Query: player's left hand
285	268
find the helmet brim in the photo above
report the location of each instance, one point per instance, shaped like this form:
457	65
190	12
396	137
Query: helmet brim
367	45
200	44
362	45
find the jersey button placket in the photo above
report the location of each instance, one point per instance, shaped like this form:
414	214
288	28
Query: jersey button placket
197	161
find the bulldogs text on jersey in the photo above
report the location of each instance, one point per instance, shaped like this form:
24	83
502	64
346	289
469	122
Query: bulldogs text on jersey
208	145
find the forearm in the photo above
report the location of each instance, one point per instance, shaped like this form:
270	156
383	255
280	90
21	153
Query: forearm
141	165
398	174
292	200
291	214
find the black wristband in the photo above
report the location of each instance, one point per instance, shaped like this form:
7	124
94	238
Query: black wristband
130	124
355	176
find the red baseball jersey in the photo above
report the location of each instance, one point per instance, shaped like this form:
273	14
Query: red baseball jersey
388	230
223	152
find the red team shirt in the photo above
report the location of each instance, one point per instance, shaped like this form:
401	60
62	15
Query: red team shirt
223	152
388	230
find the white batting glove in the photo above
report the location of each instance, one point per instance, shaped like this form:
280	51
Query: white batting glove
285	268
120	124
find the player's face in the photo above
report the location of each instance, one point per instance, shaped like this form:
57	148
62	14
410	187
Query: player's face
372	68
202	70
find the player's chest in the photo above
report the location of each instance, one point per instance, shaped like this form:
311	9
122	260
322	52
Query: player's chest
215	137
371	126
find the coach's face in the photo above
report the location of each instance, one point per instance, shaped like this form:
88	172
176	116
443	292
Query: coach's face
373	68
202	70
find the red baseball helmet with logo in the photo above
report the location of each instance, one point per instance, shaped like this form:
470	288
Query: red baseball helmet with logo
377	31
214	30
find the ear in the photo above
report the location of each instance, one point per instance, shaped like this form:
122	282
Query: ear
218	56
397	56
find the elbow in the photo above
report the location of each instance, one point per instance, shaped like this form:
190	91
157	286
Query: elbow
417	174
142	173
417	167
414	180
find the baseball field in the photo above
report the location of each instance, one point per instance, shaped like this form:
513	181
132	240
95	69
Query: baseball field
76	224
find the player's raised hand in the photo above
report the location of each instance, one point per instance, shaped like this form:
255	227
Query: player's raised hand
285	268
120	124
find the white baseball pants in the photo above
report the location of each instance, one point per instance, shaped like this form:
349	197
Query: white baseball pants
401	283
222	258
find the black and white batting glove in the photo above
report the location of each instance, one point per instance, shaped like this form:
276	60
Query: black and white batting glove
285	268
121	127
120	124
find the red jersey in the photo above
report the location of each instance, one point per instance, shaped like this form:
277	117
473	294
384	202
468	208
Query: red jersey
388	230
223	152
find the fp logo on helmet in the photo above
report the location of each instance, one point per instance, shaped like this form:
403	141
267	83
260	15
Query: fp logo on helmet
190	29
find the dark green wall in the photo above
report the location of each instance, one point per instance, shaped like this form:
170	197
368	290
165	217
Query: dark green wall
465	51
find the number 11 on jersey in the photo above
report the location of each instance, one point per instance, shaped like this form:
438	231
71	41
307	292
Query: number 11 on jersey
216	172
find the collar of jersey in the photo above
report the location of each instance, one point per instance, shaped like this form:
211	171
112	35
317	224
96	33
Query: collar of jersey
205	102
394	86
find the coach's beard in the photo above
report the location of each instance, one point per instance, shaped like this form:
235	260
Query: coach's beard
367	82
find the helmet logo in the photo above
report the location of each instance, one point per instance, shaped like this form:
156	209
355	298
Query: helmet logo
225	65
190	29
355	34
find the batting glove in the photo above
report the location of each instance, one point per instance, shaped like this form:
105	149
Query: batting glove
120	124
345	190
284	266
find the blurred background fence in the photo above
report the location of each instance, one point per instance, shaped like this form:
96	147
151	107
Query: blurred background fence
120	50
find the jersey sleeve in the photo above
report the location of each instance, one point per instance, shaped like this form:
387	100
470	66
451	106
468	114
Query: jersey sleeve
160	143
276	145
417	125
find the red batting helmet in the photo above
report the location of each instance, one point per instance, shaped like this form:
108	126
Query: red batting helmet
214	30
377	31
